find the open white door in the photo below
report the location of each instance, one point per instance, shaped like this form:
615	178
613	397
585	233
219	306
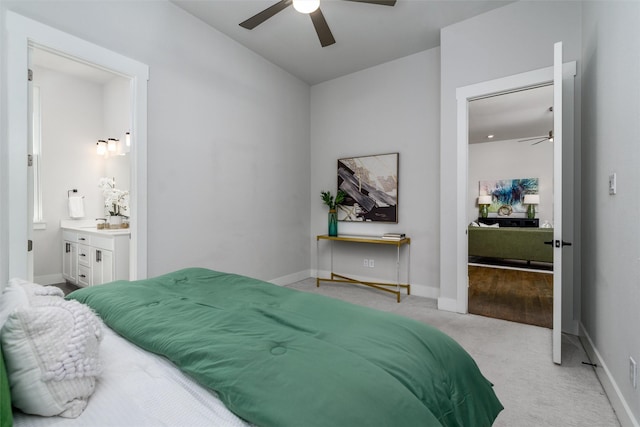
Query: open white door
557	203
30	174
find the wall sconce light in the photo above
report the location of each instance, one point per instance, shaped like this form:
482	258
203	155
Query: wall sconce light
126	147
483	203
112	145
532	200
101	147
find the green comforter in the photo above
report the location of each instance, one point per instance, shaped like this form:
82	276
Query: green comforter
280	357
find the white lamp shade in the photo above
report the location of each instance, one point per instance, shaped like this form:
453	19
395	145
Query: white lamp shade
101	147
306	6
484	200
112	145
531	199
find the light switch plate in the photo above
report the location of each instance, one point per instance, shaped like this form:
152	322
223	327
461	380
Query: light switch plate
612	183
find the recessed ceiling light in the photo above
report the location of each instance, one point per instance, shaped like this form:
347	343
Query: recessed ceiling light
490	136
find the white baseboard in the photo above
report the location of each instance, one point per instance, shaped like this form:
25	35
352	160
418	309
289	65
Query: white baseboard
291	278
448	304
49	279
425	291
618	402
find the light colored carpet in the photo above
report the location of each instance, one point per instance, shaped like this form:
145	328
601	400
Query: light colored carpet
516	358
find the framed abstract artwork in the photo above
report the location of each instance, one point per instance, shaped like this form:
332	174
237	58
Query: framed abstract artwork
507	195
371	187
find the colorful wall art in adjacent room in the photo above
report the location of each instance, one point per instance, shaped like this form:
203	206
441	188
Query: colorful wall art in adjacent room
507	195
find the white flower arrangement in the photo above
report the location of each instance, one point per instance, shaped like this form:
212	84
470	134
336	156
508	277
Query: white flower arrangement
115	201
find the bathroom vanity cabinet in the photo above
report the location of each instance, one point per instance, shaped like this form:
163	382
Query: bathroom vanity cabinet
91	257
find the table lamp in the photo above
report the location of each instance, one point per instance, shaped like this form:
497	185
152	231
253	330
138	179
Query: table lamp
483	203
532	200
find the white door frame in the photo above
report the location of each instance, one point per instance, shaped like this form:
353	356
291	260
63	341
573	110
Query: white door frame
463	95
21	32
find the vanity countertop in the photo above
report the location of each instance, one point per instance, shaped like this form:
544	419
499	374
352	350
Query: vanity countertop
86	226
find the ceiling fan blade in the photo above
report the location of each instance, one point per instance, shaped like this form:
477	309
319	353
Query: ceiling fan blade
542	138
379	2
322	28
259	18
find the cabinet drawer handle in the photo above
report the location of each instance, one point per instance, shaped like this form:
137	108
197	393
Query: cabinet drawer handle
83	254
82	238
83	276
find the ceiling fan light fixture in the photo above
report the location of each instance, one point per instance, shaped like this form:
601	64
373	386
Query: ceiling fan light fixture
306	6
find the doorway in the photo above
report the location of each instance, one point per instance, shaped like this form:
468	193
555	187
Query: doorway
566	295
23	33
74	105
510	155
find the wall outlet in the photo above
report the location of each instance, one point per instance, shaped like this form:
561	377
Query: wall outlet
372	263
633	372
365	263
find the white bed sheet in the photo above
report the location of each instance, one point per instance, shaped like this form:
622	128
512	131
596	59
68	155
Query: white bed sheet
140	389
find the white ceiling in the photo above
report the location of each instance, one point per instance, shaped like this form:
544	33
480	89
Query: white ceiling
516	115
366	34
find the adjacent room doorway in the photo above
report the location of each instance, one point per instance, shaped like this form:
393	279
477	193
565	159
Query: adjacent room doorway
509	142
563	194
24	33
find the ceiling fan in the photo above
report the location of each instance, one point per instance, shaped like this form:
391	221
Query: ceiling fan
539	139
310	7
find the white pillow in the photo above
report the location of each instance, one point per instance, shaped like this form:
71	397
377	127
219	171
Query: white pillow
51	355
496	225
22	293
13	296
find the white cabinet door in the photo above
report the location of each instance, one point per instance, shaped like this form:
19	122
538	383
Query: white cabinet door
70	261
107	267
101	266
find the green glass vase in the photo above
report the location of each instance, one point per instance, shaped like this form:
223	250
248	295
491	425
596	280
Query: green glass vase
333	222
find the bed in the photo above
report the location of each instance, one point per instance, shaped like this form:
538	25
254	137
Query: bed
254	353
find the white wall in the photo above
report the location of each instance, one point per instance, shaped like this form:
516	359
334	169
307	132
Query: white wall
393	107
611	144
228	139
509	160
513	39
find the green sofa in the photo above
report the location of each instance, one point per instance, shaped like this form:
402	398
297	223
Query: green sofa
522	243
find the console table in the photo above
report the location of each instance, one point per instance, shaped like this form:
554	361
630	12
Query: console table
393	288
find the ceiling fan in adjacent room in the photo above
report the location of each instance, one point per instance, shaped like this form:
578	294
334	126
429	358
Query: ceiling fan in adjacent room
539	139
310	7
